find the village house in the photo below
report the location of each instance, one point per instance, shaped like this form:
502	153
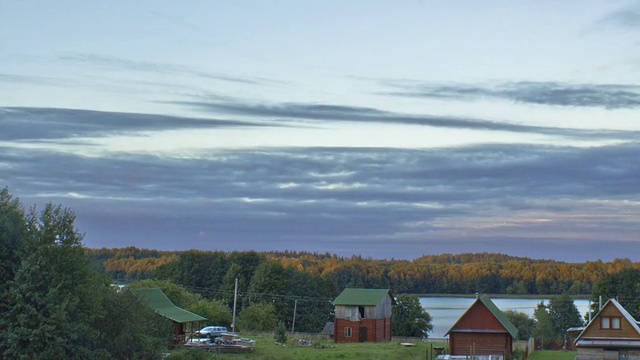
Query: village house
363	315
612	334
482	330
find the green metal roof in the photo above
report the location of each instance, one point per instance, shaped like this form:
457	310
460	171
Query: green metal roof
368	297
497	313
161	304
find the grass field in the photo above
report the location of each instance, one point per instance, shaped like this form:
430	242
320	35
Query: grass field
322	349
552	355
326	349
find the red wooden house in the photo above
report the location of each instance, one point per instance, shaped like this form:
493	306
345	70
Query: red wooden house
482	330
612	334
363	315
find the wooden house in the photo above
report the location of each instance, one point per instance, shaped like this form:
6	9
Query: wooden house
612	334
363	315
185	322
482	330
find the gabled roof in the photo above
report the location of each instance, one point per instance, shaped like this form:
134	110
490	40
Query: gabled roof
497	313
161	304
621	310
365	297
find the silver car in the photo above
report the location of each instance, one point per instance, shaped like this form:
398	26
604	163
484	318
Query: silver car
212	331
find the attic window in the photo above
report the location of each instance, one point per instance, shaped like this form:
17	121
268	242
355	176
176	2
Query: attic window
610	322
361	310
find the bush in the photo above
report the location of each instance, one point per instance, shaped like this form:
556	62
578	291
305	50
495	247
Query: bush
280	333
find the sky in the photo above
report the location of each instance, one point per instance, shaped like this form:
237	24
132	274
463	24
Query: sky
387	129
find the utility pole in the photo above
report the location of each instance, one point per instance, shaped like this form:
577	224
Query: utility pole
235	299
295	307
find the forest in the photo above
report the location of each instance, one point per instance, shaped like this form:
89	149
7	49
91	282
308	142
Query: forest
466	273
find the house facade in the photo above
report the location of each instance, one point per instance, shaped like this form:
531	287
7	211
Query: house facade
612	334
363	315
482	330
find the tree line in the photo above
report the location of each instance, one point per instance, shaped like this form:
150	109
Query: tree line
430	274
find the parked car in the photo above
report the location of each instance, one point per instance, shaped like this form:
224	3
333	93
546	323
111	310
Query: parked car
212	331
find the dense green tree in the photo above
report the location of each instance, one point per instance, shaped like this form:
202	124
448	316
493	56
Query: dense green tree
270	282
54	304
216	311
129	329
258	316
543	329
563	314
624	286
522	322
409	317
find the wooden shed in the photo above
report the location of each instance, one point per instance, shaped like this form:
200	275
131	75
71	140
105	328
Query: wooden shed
363	315
185	322
612	334
482	330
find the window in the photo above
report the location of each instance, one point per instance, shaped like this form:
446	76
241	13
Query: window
610	322
347	332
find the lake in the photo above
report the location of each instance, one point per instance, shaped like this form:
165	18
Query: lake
445	311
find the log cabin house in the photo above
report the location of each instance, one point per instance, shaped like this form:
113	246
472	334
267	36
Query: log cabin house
482	330
612	334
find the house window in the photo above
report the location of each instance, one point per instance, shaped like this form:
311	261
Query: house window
610	322
347	332
361	310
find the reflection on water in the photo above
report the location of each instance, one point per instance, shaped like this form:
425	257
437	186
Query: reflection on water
445	311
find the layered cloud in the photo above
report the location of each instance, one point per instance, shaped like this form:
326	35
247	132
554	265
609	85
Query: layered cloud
510	198
610	96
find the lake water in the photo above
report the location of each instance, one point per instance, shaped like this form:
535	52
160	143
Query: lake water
445	311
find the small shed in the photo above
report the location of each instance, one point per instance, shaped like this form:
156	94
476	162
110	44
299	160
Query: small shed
482	330
363	315
612	334
185	322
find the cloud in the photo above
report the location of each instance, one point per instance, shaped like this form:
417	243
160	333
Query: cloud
511	197
338	113
610	96
20	123
156	67
628	17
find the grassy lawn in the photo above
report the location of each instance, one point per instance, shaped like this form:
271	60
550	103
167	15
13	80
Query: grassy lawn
552	355
324	349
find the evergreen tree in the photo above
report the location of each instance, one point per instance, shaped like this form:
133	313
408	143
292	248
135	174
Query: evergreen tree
563	314
542	330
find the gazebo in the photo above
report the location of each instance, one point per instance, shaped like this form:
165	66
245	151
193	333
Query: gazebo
185	322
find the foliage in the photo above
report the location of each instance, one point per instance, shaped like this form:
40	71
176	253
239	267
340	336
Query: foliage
624	286
563	314
543	329
54	304
409	317
259	316
214	273
178	295
280	333
522	322
216	311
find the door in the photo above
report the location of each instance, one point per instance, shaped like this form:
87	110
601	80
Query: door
363	334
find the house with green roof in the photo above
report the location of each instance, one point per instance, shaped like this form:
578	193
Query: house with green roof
363	315
186	323
482	330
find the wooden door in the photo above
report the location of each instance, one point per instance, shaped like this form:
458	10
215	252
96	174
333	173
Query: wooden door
363	334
